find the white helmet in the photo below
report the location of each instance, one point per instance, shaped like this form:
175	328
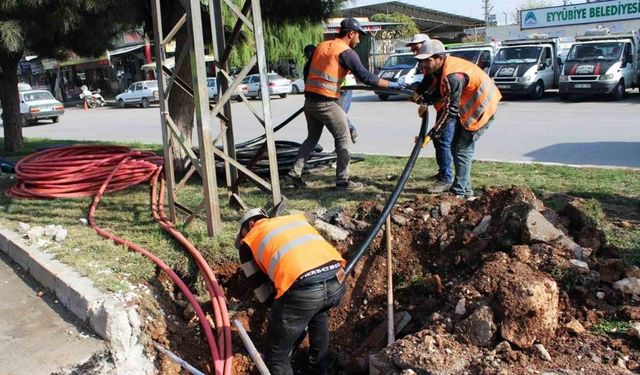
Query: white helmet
248	216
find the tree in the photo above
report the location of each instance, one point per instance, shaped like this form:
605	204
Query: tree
50	29
529	4
408	28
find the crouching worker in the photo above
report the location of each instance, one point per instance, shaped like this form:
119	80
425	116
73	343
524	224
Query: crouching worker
287	261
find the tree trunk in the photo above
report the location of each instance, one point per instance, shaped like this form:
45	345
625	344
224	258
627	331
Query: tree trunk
181	106
13	140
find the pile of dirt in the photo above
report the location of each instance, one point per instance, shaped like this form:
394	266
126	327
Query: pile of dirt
495	285
499	285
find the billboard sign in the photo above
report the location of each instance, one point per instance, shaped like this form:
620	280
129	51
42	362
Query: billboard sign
604	11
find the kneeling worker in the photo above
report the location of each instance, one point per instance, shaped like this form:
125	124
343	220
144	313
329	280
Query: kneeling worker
303	272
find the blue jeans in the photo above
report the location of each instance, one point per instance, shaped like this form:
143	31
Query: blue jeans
345	102
290	314
464	144
442	145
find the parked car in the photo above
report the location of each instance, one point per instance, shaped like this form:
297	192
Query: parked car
278	85
24	86
141	93
297	86
212	90
39	105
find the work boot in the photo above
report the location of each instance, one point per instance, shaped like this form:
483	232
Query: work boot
354	134
349	186
435	177
468	198
293	179
439	187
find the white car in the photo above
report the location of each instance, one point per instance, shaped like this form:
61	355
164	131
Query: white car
212	90
278	85
141	93
297	86
39	105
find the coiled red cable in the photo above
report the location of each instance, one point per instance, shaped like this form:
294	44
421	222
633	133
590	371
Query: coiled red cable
81	171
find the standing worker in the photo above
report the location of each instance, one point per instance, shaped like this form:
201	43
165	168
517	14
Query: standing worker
331	62
306	275
416	42
345	95
466	100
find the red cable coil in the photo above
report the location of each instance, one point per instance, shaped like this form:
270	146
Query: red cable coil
82	171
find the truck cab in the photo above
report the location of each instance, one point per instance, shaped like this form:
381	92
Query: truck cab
526	67
601	63
400	67
480	54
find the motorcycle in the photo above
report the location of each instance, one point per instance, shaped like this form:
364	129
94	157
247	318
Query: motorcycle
93	99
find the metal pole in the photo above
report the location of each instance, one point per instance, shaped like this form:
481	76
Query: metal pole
218	40
164	105
253	352
390	329
266	102
203	120
178	360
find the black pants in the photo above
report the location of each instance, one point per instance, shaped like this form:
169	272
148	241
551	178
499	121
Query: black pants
290	314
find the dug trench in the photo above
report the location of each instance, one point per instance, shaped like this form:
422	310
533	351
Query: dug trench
499	285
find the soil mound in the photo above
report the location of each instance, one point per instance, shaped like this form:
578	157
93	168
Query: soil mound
498	285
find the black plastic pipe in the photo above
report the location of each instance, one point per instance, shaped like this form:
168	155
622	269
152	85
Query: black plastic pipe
405	92
421	140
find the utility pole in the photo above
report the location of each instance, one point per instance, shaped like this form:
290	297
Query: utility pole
487	7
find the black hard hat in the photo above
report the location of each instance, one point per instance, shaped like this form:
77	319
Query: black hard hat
308	50
352	24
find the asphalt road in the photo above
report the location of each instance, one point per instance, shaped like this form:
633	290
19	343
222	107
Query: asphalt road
593	131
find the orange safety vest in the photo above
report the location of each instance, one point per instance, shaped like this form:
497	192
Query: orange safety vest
325	72
286	247
479	99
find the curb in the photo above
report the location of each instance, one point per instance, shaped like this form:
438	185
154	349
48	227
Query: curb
113	319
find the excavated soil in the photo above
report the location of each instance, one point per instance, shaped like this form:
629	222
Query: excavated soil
485	283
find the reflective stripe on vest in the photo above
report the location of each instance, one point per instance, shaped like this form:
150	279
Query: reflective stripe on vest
286	247
325	72
479	99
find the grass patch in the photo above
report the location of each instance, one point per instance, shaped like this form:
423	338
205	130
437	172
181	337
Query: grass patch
127	213
605	327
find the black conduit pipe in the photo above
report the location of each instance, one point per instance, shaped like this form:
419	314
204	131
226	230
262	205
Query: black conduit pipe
385	90
422	139
275	129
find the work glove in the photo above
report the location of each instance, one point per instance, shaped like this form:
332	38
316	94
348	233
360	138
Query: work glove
422	110
394	86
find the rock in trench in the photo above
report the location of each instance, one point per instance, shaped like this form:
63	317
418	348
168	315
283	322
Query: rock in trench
479	328
629	287
333	232
542	352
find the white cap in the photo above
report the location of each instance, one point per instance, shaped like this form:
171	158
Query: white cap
418	38
250	214
434	47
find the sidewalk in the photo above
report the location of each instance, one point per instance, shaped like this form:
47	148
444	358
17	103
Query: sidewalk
38	335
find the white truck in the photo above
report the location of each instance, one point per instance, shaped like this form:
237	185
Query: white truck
601	63
481	54
527	66
401	66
